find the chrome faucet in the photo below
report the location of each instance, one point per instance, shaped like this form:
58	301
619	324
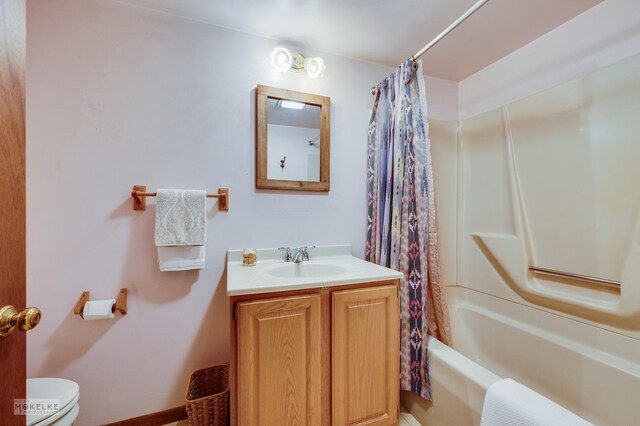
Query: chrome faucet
296	255
287	253
301	254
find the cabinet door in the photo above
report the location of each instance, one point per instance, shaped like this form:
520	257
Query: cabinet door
279	361
365	356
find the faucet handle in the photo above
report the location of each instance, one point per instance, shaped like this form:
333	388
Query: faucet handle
287	253
305	252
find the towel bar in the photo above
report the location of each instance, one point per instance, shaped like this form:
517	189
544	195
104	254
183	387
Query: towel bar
139	195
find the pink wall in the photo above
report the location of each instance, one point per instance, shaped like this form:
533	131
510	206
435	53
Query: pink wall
116	96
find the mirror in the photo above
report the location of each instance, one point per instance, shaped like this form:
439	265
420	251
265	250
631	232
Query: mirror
292	140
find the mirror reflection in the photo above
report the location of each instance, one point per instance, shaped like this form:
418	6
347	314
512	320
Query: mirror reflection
293	132
292	140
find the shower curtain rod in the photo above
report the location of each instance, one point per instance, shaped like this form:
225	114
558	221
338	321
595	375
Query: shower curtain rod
444	33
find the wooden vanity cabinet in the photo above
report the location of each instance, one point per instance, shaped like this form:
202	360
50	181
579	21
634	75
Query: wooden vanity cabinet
316	357
279	361
365	348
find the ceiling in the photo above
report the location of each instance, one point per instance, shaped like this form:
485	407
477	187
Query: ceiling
387	32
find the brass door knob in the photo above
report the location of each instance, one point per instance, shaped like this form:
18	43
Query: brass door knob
10	319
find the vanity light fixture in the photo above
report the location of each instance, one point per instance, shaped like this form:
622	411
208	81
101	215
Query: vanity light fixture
314	67
291	104
283	60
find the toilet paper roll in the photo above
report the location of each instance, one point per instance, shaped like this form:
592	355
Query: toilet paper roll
98	309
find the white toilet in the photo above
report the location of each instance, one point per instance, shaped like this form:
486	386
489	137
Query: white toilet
66	391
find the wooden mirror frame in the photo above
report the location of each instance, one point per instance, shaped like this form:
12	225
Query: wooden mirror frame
263	93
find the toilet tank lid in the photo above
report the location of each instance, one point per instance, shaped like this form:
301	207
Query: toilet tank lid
66	391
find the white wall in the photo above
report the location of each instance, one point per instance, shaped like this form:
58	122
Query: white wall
442	98
117	96
604	34
302	160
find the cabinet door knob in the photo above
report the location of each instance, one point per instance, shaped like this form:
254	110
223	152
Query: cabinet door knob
10	319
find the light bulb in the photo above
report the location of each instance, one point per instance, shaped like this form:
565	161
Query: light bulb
281	59
291	104
314	67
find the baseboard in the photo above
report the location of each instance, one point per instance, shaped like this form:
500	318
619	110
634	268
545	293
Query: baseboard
155	419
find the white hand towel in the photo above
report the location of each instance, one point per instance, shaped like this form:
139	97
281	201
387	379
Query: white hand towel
508	403
181	258
181	229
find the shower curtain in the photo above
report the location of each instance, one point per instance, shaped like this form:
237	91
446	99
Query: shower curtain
401	221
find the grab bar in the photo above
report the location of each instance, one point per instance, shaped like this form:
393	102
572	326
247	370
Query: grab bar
602	281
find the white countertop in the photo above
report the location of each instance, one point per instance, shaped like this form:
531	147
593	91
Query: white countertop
327	266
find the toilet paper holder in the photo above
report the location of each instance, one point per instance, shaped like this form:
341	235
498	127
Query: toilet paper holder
120	305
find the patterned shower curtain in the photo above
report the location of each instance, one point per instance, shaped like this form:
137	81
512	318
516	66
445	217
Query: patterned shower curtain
401	226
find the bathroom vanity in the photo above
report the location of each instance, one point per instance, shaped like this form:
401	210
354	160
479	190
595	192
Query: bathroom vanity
314	342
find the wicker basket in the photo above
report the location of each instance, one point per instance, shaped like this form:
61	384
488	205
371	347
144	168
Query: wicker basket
208	397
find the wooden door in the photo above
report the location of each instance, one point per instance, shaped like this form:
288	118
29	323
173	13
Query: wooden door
12	202
365	357
279	361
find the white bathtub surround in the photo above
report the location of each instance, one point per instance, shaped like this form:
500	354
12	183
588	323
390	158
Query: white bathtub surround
458	386
588	365
589	371
509	403
563	347
460	378
602	35
327	266
587	225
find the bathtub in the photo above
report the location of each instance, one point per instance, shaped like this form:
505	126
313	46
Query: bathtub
593	372
458	386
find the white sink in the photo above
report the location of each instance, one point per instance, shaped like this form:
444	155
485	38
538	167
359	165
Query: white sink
329	266
306	270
